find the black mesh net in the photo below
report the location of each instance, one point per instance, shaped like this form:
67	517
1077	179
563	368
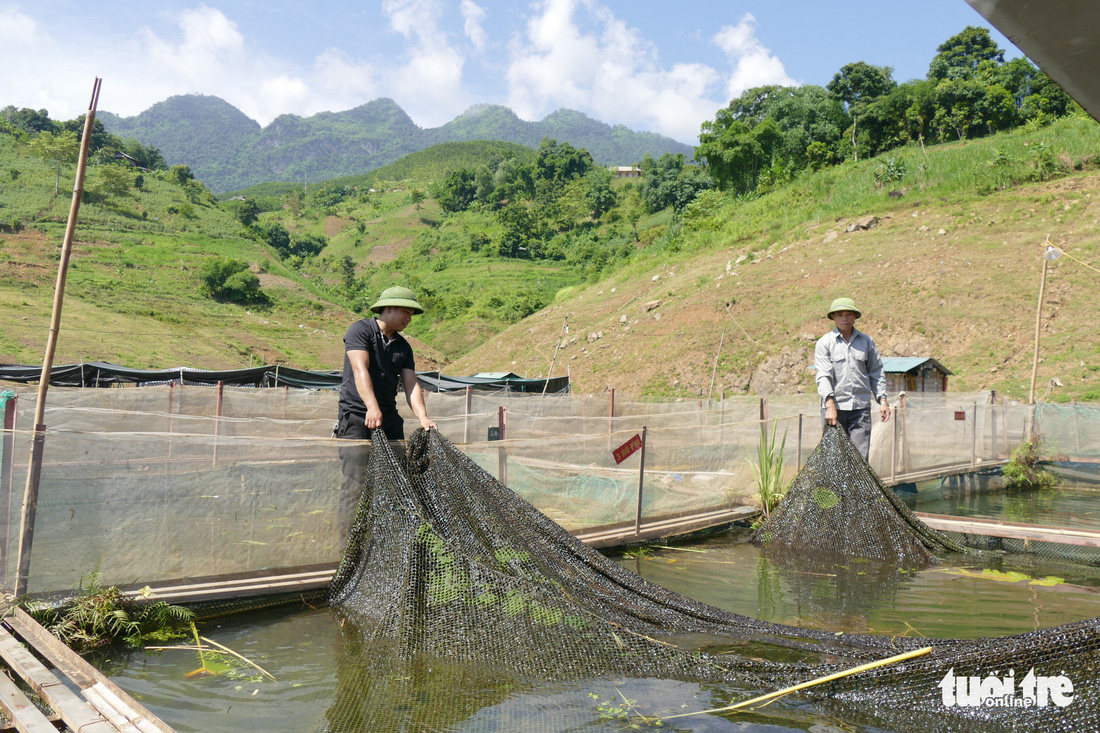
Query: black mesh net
454	595
838	506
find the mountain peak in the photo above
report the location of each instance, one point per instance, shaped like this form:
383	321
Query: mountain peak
229	151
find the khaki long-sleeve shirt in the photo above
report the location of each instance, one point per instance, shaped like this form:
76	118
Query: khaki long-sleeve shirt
849	371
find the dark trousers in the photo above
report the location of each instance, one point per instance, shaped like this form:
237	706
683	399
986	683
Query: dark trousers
354	460
857	424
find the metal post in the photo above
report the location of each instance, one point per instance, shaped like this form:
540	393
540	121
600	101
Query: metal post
611	418
894	448
763	421
466	418
993	424
502	454
974	435
217	421
641	483
611	413
798	455
171	400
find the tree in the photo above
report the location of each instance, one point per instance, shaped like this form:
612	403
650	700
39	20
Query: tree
28	120
520	227
416	196
598	193
180	174
857	85
733	152
60	148
960	55
457	191
248	212
111	180
224	278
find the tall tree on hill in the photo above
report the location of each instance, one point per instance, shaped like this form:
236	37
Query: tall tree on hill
28	120
960	55
58	148
857	86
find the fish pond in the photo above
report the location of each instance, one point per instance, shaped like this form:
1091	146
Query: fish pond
303	649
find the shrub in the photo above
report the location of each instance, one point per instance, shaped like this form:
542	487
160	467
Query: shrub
224	278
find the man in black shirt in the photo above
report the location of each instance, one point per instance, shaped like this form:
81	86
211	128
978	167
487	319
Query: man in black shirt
377	360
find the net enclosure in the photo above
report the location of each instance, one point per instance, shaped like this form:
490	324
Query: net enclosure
838	505
451	580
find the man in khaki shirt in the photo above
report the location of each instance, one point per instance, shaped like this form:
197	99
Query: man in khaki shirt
849	376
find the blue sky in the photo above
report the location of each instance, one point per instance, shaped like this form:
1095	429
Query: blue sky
651	65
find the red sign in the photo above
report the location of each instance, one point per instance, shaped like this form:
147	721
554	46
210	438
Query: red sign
627	449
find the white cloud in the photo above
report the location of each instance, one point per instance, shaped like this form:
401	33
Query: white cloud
753	64
211	45
428	84
472	16
342	82
606	69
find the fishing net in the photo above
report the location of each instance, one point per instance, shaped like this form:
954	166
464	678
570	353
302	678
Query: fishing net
455	597
838	506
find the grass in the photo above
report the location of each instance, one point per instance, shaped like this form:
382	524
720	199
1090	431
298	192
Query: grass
966	296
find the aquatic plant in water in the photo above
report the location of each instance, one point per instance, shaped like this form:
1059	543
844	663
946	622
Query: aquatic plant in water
99	615
768	470
1023	470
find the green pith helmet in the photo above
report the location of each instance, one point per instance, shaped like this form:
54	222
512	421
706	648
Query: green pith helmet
840	304
398	297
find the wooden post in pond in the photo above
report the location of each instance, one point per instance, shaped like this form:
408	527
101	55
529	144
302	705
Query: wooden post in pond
641	484
38	443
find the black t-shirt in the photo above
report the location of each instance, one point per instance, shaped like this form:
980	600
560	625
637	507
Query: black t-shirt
387	359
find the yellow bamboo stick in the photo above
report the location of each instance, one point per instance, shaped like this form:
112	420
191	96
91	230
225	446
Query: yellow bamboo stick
811	683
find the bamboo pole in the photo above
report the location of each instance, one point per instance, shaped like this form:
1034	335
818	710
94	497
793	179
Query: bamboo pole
557	347
820	680
1038	323
7	462
714	370
34	471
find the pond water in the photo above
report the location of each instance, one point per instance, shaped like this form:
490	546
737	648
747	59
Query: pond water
302	648
1068	507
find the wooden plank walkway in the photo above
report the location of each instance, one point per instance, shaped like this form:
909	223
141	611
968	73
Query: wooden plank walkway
105	707
1012	530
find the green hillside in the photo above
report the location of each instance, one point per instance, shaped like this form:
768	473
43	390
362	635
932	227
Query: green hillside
950	269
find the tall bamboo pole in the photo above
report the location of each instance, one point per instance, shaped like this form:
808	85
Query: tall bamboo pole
1038	323
34	470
